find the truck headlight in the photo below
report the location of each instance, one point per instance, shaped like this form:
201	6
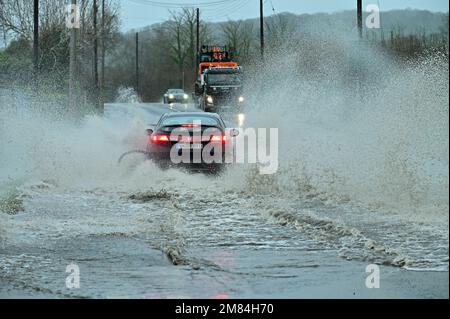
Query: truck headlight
209	99
241	99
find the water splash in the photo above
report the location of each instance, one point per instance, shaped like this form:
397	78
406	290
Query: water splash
363	140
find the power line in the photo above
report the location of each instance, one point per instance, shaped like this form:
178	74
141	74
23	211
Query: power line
221	7
211	10
273	8
170	5
229	11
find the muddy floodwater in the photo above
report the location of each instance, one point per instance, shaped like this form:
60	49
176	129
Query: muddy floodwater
135	231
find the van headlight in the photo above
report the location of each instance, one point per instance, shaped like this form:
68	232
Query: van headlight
241	99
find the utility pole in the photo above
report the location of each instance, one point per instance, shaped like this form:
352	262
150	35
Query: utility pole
4	37
73	59
383	40
359	71
261	26
102	85
182	80
198	41
96	80
137	63
359	17
36	40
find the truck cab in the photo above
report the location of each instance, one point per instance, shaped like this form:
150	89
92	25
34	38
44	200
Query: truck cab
220	84
222	88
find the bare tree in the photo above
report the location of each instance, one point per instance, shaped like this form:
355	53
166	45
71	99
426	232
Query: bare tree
182	32
239	36
189	29
279	30
179	47
16	19
16	16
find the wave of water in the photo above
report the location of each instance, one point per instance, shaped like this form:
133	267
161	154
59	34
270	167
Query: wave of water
363	168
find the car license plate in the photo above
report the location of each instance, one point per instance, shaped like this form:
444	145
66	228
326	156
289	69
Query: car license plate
189	146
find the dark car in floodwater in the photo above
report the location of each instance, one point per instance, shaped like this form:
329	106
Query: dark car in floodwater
192	140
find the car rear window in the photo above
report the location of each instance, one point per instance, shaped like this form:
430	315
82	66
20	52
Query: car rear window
180	120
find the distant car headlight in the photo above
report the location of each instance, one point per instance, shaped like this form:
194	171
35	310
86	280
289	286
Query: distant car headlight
241	99
209	99
241	119
185	96
171	96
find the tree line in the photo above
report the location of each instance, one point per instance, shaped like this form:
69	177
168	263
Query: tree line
16	60
168	50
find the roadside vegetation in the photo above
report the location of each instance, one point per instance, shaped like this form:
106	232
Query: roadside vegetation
168	50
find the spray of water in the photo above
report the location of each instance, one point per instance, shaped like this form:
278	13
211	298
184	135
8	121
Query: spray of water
357	125
356	129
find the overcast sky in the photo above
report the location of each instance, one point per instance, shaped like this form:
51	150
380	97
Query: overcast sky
139	13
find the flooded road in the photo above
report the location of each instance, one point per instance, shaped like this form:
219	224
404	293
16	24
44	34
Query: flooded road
135	231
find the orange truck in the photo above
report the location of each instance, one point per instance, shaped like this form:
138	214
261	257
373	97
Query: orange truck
219	85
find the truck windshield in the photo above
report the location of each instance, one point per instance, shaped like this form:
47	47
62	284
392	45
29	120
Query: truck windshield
224	79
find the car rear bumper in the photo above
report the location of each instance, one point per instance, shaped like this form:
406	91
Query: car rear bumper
165	157
190	166
162	154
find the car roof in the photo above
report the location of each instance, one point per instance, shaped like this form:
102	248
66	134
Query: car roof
202	114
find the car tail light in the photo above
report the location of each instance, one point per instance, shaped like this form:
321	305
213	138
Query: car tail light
218	138
159	138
